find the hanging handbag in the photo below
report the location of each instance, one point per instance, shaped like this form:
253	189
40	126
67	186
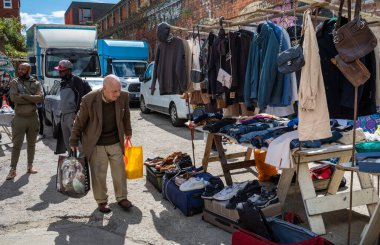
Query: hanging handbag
354	39
355	72
292	59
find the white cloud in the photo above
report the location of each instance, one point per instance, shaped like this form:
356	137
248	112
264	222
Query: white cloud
56	17
58	14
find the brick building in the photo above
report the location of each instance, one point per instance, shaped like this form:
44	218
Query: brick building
9	8
85	13
137	19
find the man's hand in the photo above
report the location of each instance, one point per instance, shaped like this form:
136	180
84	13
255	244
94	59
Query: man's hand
74	148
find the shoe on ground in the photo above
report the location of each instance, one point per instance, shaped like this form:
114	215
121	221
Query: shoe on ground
253	198
214	186
12	174
104	208
227	193
30	170
193	183
41	136
125	204
266	198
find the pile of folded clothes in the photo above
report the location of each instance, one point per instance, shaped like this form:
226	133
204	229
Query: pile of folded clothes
170	162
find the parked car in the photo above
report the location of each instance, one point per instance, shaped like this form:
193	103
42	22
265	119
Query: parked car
52	112
171	105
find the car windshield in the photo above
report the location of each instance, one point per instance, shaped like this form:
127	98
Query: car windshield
129	69
84	64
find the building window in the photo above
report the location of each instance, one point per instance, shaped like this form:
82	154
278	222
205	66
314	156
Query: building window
7	4
85	16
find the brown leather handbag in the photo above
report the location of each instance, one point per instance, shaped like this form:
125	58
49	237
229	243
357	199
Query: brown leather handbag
355	72
354	39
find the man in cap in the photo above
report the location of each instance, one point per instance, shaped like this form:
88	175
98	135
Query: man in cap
25	92
73	88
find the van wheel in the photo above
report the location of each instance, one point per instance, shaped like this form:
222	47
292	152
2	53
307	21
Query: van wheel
46	120
176	122
143	107
55	127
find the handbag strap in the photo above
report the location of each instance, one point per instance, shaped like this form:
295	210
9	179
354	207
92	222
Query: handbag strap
337	25
358	6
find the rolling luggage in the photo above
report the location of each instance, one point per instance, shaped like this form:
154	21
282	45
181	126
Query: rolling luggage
283	233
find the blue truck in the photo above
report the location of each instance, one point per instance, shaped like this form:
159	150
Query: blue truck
127	59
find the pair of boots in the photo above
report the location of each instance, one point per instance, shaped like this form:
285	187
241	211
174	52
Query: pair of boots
12	173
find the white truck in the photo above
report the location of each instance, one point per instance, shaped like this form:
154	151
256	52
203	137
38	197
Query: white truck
47	44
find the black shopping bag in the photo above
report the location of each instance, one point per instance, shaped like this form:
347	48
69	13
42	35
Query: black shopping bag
73	177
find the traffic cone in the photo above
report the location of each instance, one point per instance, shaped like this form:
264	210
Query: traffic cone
4	101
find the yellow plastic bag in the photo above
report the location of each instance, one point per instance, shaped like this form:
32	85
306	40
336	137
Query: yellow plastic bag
133	160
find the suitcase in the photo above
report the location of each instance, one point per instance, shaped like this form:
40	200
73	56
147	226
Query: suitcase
284	232
219	208
189	202
220	221
154	177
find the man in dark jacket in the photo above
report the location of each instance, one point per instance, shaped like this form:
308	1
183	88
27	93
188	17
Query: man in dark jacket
73	88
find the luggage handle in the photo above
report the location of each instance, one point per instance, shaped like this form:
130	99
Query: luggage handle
222	222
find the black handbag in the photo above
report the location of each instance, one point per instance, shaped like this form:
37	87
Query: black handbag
290	60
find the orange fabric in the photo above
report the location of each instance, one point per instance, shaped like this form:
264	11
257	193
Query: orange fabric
264	170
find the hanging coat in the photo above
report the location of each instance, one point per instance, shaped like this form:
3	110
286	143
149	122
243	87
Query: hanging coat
314	120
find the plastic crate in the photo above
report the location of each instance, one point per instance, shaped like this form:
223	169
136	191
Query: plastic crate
154	177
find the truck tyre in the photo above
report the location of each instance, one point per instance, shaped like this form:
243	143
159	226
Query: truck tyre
46	120
176	122
143	107
55	127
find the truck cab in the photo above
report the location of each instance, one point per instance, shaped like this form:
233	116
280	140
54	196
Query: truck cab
47	44
126	59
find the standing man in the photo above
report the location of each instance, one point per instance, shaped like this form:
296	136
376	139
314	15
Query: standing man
73	88
25	92
101	124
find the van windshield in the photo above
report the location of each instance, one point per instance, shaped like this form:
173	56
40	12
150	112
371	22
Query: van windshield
84	64
129	69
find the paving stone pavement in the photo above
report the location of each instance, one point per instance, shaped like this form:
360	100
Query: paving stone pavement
32	212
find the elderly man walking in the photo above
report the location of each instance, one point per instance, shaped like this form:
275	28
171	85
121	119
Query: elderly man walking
25	92
102	124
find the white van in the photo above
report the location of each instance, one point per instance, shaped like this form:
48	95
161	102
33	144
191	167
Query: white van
171	105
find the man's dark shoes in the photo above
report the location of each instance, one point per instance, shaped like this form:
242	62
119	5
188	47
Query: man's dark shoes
125	204
104	208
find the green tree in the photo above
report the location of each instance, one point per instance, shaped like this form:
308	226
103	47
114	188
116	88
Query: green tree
11	29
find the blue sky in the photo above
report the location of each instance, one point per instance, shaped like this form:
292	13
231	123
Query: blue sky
48	11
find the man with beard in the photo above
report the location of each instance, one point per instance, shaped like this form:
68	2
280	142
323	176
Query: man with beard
25	92
73	88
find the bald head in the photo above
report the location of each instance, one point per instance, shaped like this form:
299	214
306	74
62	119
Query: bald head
111	88
24	70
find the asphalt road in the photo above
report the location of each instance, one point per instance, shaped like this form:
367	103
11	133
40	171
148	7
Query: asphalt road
33	212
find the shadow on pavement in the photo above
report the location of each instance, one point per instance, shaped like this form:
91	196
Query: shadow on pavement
49	196
11	188
163	121
171	226
100	228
